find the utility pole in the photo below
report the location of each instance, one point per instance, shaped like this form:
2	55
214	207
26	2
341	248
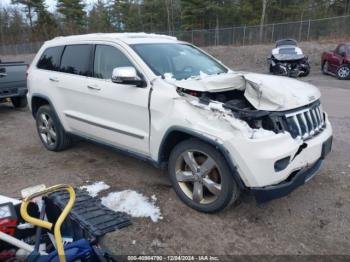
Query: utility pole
262	19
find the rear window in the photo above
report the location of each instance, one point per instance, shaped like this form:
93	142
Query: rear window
76	60
50	59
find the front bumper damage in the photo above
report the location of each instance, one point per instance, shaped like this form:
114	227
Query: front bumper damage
295	180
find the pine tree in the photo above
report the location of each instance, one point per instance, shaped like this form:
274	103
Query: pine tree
194	14
45	23
99	19
74	16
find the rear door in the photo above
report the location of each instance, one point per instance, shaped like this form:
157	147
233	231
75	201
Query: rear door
71	83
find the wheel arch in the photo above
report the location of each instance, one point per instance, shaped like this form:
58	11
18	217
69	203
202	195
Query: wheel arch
176	134
39	100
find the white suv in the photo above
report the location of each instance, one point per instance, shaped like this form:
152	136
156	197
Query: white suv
217	131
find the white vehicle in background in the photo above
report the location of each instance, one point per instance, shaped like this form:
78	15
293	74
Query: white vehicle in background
217	131
287	59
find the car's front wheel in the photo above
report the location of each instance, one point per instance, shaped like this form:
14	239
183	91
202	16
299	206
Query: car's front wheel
343	72
50	130
325	68
201	177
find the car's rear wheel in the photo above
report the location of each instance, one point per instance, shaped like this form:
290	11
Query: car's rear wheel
201	177
19	101
50	130
343	72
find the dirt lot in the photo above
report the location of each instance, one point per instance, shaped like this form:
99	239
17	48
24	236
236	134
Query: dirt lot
314	219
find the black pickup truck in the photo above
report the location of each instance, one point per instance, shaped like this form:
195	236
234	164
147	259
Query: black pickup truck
13	83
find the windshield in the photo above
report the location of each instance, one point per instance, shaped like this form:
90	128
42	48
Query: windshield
180	61
288	51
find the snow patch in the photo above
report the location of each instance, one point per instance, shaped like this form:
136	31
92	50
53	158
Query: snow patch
259	133
133	203
95	188
169	77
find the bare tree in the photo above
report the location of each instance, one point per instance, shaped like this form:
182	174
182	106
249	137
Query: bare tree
28	8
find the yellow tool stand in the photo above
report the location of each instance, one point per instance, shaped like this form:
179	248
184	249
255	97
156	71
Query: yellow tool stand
46	224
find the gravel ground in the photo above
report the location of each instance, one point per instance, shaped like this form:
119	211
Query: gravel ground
314	219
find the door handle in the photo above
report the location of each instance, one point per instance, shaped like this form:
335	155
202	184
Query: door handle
3	74
93	87
53	79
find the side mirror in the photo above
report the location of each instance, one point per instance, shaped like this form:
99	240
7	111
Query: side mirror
127	76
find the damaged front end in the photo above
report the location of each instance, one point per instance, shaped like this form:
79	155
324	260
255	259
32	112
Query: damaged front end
234	108
258	109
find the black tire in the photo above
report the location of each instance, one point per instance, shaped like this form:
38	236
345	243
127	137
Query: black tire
324	67
62	139
343	72
229	191
19	101
305	73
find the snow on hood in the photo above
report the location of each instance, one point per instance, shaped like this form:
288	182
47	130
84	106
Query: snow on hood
264	92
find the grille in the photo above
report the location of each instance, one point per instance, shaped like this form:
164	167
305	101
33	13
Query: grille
306	123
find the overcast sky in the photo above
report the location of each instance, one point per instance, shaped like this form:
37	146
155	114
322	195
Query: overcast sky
50	3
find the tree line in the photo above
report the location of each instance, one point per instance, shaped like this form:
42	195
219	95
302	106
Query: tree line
31	20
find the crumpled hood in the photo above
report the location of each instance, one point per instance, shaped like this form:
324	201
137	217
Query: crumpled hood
264	92
278	93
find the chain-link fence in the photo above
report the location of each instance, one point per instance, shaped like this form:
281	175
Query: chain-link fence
309	30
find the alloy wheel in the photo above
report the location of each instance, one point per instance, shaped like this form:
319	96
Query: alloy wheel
344	72
198	176
47	129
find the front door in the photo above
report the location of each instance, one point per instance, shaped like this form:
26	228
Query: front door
337	58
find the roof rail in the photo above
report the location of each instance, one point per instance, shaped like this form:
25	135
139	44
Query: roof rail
118	36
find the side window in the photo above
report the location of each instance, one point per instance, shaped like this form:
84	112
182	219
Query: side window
341	50
50	59
106	59
76	60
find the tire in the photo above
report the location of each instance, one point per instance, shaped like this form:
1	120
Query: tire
19	101
223	191
306	72
50	130
325	67
343	72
